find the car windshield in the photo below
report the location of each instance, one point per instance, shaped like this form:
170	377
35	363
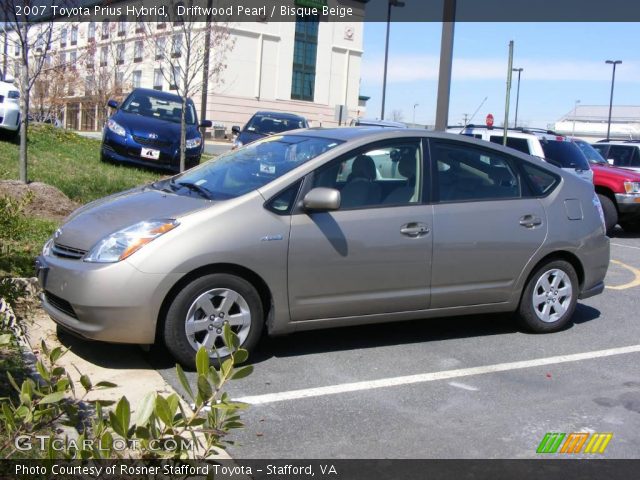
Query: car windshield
271	124
564	154
149	105
249	168
591	153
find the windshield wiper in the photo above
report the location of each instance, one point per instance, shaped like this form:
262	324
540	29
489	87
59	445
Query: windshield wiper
194	188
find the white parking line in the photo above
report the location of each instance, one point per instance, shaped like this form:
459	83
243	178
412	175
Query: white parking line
622	245
433	376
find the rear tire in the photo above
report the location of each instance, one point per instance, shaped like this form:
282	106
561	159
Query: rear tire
199	312
610	212
549	298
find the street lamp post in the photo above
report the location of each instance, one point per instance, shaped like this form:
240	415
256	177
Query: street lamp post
613	81
575	108
414	112
519	70
392	3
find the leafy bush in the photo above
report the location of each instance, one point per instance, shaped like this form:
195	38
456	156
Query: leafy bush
164	427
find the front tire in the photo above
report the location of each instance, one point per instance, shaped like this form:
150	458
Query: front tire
610	212
550	297
199	312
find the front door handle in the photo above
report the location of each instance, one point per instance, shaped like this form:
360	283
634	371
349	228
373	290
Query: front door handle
530	221
414	229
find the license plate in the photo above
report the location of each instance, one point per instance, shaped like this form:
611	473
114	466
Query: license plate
150	153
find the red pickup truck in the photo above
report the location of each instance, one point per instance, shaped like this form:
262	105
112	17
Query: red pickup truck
618	190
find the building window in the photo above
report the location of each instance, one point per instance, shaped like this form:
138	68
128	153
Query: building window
74	35
139	26
63	37
104	56
161	45
304	58
122	27
88	85
62	59
137	53
175	78
120	53
73	59
90	60
16	49
176	45
105	28
136	78
91	32
40	44
157	79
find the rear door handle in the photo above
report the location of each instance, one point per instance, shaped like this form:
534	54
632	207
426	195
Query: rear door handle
530	221
414	229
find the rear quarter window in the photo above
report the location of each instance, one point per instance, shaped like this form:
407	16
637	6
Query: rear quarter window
564	154
540	181
520	144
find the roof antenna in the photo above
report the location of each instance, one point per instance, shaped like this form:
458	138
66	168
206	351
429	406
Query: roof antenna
474	114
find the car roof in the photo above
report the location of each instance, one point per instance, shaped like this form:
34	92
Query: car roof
626	143
380	123
289	116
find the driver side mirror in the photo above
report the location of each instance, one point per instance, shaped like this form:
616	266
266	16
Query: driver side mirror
112	104
235	130
206	124
322	199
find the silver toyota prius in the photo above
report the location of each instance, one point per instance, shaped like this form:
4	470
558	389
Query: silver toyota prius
324	228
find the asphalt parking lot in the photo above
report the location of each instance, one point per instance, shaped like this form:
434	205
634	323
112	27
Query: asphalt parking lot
467	387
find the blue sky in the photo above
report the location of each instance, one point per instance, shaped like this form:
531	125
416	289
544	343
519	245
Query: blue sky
563	62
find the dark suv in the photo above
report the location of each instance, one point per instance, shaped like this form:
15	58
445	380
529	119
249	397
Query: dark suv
263	124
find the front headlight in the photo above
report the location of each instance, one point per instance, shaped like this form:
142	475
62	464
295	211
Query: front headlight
121	244
46	250
116	128
632	187
194	142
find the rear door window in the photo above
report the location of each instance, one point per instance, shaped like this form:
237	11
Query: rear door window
520	144
622	155
564	154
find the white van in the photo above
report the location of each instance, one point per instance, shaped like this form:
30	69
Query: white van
9	105
545	144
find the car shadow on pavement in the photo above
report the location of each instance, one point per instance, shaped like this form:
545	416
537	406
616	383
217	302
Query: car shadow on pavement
620	233
115	356
398	333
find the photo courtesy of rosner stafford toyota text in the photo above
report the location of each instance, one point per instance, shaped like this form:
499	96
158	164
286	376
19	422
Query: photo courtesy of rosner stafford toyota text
330	239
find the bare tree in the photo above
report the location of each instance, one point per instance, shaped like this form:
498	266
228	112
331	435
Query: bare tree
397	115
107	70
32	38
191	56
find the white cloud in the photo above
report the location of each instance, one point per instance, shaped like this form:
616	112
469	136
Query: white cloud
413	68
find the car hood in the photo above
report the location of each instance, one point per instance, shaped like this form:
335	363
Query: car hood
248	137
143	126
89	224
613	170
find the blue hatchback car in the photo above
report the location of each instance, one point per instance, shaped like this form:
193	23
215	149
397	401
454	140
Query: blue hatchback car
145	130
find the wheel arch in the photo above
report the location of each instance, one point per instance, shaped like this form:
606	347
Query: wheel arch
565	255
229	268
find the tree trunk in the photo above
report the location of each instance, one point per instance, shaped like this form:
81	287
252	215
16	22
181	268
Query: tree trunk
24	119
183	135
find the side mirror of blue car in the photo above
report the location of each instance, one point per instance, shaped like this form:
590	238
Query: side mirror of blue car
112	104
206	124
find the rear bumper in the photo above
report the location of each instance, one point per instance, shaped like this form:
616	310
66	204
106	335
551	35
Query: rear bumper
593	291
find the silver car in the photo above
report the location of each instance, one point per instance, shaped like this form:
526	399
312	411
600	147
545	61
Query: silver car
324	228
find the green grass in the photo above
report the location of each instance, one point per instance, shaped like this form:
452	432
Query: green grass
70	163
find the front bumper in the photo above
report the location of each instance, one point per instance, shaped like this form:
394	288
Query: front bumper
108	302
125	149
628	203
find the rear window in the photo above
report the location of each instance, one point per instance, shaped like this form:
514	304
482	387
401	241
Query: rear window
564	154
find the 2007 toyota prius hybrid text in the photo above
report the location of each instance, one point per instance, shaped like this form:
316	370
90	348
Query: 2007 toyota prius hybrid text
324	228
